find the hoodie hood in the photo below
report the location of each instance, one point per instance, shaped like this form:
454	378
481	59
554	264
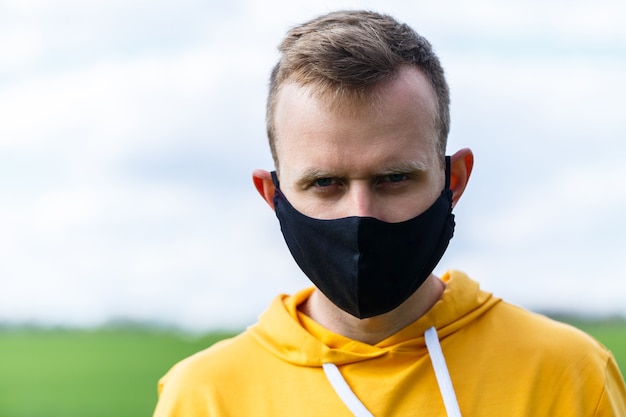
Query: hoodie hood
280	331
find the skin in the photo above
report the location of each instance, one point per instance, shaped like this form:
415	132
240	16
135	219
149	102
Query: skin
377	158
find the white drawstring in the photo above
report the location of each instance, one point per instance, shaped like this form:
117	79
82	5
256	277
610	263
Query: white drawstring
441	372
357	408
343	390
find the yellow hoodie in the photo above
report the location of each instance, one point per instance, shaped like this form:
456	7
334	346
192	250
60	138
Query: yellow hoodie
502	360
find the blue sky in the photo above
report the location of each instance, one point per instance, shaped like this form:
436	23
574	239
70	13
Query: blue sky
129	130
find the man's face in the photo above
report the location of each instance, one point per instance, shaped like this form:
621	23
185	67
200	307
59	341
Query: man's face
378	159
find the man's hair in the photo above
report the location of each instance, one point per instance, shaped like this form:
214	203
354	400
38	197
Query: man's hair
345	54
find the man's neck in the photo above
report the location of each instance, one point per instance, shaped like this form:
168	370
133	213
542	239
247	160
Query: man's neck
374	329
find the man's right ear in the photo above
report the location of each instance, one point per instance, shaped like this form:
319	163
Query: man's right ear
264	185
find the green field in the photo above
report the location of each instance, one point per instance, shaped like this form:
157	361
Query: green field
113	372
106	372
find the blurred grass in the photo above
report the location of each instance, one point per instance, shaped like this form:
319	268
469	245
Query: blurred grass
105	372
114	371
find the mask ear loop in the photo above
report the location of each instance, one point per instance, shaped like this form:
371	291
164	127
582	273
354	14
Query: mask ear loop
447	173
275	179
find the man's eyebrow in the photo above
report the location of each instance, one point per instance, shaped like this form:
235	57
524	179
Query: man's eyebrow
403	168
311	175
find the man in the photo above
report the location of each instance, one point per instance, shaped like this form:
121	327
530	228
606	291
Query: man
357	121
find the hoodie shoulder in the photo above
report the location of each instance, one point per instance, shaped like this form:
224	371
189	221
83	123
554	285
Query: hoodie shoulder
219	357
193	386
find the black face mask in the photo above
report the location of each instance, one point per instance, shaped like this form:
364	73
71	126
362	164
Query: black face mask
366	266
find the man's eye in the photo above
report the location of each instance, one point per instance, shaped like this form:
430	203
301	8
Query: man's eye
324	182
395	177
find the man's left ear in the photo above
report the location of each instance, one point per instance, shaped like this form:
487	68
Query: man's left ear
263	183
461	164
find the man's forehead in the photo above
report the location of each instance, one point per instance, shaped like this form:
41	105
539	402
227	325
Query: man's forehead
410	82
343	96
398	120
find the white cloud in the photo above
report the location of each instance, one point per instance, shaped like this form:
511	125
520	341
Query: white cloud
110	100
21	45
569	203
121	191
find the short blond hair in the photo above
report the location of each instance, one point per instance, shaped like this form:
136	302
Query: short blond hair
344	54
